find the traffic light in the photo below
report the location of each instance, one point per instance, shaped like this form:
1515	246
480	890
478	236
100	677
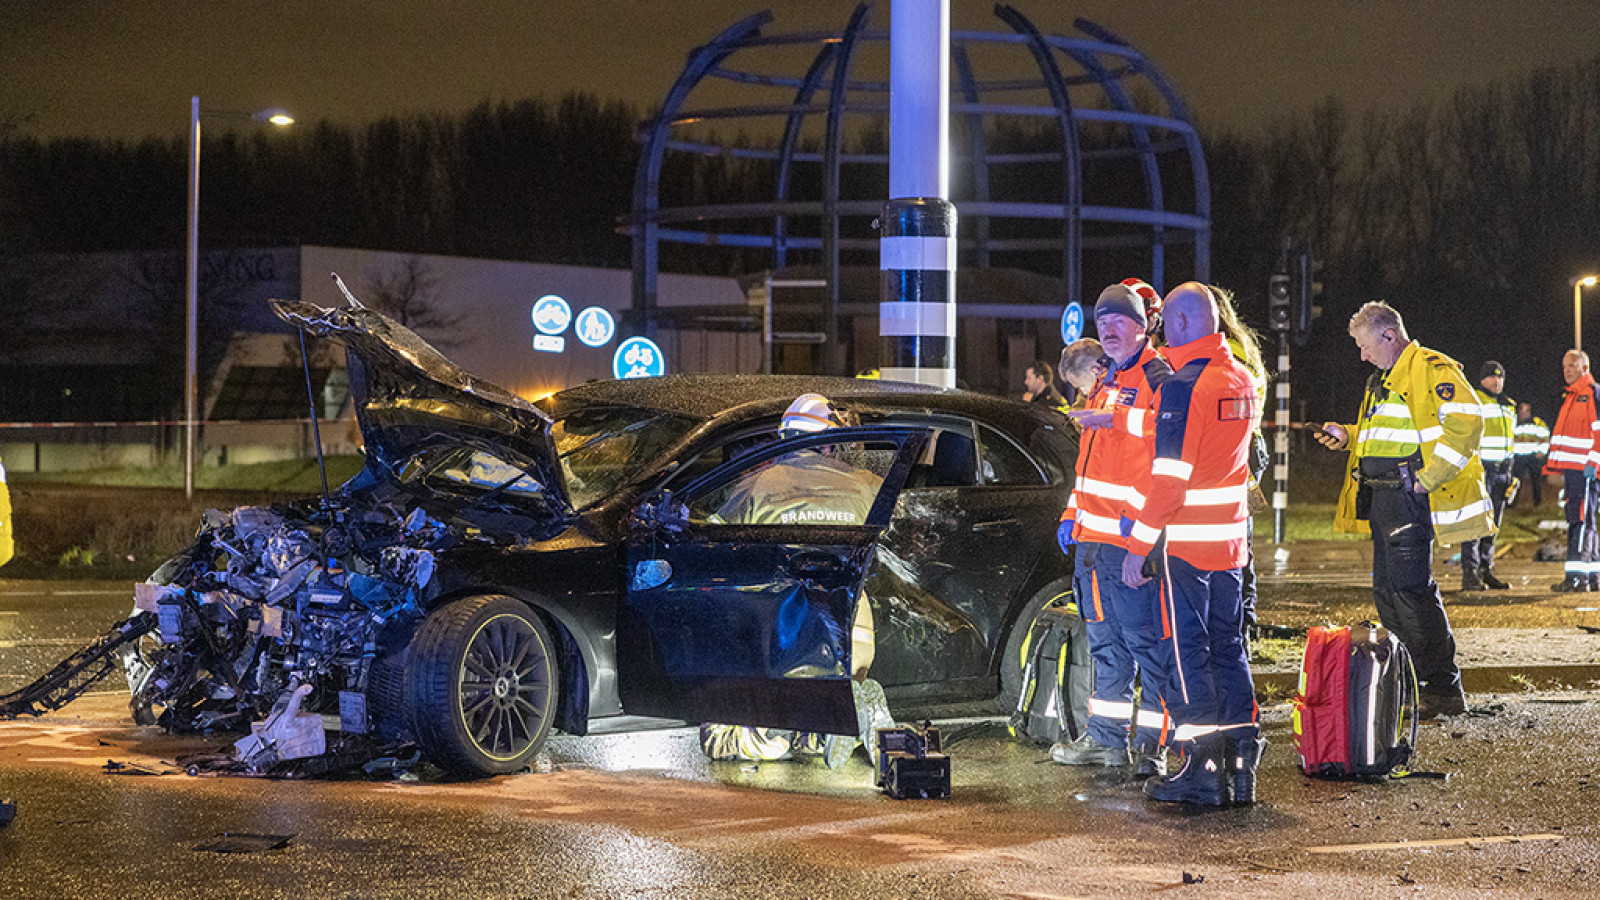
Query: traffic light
1303	294
1279	298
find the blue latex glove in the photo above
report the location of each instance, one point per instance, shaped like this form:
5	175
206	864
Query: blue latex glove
1064	535
1125	526
1588	472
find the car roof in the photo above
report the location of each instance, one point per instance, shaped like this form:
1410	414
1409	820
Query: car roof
741	398
709	396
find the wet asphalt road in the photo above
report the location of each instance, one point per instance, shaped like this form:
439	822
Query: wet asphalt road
644	815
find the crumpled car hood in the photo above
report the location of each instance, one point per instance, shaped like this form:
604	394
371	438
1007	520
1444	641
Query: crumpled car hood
408	395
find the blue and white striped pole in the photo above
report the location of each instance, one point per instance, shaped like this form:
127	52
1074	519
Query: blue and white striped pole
917	243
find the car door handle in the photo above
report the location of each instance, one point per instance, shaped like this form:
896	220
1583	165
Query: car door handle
813	565
993	526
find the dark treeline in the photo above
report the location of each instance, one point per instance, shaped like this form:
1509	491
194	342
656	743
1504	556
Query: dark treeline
1470	215
532	180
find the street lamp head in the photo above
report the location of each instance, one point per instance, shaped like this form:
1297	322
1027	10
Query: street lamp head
1588	282
275	115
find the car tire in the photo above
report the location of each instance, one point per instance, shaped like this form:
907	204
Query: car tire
482	686
1012	665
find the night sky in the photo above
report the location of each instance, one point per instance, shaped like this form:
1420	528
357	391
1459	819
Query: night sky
126	68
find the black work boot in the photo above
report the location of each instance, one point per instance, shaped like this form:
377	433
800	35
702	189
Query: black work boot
1201	781
1486	574
1243	757
1572	584
1470	580
1086	751
1149	760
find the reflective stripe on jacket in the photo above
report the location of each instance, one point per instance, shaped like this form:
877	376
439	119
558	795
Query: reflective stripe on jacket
1499	421
8	544
1572	443
1114	467
1441	409
1205	414
1532	438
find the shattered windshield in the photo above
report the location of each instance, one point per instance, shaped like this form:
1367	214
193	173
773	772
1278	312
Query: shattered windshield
602	448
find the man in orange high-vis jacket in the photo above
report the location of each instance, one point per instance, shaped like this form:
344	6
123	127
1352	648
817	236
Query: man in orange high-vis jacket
1198	508
1113	475
1573	453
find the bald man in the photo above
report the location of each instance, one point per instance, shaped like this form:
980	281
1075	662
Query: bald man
1193	531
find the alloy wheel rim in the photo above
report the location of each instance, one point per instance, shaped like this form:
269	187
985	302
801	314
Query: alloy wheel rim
504	687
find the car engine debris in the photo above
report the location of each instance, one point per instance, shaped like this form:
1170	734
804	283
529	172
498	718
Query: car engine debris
274	619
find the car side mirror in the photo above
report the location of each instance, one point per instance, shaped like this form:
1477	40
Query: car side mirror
661	513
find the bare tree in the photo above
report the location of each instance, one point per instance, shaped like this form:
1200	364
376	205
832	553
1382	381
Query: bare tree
409	294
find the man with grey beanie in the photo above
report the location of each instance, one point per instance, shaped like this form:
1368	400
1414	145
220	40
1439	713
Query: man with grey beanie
1123	622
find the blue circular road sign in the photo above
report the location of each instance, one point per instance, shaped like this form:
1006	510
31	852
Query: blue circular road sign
551	314
595	326
1071	323
638	357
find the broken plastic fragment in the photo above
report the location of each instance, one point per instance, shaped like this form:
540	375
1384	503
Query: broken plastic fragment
286	734
147	596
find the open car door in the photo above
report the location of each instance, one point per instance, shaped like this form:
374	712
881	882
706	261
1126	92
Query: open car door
743	587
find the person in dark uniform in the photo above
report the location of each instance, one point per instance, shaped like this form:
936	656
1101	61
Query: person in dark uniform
1413	476
1040	380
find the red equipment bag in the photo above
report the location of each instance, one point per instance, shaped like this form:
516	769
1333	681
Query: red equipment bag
1356	713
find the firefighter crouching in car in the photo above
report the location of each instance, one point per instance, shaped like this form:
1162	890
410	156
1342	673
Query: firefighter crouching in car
1413	476
1123	621
1193	528
810	486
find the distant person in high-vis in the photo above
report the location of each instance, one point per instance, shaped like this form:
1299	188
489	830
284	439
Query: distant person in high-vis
1574	452
8	543
1413	476
1494	451
1530	447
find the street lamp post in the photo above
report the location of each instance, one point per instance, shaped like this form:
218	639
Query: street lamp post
191	375
1578	284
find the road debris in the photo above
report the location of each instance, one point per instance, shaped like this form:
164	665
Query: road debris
245	842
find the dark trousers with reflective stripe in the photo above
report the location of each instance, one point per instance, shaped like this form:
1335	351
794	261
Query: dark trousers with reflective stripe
1103	605
1479	554
1582	554
1403	588
1209	683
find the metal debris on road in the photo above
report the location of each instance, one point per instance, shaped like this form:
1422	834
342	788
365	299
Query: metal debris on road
245	842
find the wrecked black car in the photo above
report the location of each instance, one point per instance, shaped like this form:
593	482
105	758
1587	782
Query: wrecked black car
502	568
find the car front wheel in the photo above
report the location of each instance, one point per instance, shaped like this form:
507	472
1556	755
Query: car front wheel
481	685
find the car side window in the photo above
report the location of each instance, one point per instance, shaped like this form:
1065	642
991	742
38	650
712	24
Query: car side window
829	484
1001	461
951	460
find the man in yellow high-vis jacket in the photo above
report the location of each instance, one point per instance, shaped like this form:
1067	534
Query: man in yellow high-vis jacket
1414	475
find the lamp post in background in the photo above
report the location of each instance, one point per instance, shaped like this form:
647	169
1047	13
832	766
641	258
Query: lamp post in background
192	287
1578	284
